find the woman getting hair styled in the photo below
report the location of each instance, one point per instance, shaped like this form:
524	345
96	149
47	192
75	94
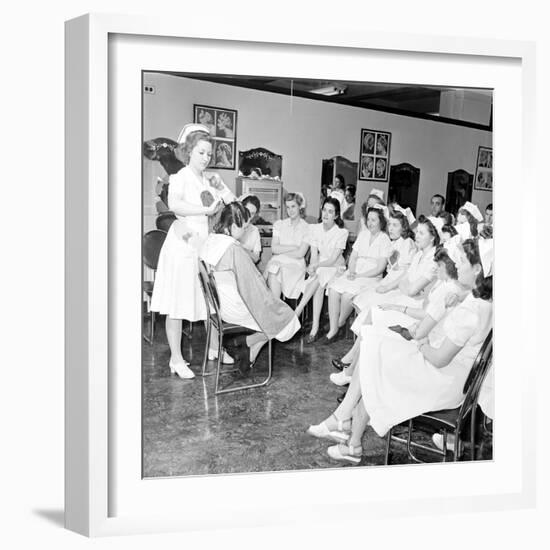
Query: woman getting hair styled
245	299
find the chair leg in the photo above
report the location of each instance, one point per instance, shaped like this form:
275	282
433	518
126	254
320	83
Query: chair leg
473	432
219	362
207	345
249	386
388	443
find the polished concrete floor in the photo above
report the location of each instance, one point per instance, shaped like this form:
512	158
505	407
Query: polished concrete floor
187	430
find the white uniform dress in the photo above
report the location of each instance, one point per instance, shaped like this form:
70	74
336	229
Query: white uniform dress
327	242
368	253
289	271
398	383
422	266
251	239
435	306
177	292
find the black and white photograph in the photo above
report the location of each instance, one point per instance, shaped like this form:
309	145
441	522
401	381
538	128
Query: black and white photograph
280	331
375	155
222	127
484	169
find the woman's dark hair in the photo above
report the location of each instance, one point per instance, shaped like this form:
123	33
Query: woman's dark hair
471	221
431	228
232	213
449	229
254	200
183	150
442	256
352	189
341	180
484	285
338	217
366	211
489	207
447	218
406	231
378	199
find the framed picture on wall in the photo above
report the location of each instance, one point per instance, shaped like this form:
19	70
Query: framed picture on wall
484	169
374	155
222	124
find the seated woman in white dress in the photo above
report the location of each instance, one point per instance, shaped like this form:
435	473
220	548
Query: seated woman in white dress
244	297
398	379
405	288
366	266
418	320
327	240
286	269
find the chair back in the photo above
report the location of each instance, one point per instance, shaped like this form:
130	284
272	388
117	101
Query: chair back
165	220
210	292
476	377
152	244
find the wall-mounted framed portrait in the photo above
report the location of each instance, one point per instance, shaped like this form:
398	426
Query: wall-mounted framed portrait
222	124
374	155
484	169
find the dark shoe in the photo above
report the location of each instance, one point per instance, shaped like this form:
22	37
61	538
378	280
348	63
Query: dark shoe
339	365
312	338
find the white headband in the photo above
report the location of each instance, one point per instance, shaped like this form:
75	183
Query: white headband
384	209
486	253
191	127
407	212
438	223
453	248
378	193
473	209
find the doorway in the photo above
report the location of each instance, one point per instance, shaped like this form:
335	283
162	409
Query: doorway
403	187
459	190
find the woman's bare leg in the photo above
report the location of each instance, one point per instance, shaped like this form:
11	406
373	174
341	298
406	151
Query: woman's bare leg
333	311
346	307
274	285
311	286
173	335
348	358
359	423
318	298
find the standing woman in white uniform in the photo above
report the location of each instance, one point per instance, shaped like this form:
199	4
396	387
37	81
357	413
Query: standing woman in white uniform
366	265
193	196
286	269
327	240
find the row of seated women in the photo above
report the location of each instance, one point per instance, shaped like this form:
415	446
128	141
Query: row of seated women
413	354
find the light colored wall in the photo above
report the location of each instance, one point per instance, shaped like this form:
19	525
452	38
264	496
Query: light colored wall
305	132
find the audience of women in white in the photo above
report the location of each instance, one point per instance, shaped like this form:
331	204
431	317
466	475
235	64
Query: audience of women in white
431	276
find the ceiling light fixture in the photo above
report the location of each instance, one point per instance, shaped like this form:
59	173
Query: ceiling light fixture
329	90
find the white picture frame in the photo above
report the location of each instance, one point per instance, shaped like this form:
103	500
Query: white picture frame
94	442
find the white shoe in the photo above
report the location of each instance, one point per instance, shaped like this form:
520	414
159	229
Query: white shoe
340	378
438	441
322	431
182	370
353	455
226	358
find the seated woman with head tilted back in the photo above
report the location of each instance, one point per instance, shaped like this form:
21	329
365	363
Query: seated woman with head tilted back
245	299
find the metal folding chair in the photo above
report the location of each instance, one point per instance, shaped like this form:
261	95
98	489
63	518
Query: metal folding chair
450	421
214	319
